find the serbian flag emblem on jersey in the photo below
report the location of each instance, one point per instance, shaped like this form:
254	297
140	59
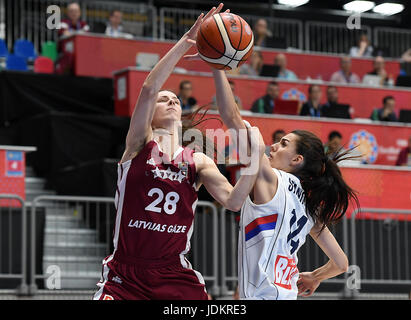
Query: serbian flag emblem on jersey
14	164
258	228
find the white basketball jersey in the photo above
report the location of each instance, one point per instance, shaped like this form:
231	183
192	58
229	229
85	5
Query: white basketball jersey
270	236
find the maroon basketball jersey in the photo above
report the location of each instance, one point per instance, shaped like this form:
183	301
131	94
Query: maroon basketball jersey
155	202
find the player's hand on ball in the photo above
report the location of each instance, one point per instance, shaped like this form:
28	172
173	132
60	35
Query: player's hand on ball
307	284
192	33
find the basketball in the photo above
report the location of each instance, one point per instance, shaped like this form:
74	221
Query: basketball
225	41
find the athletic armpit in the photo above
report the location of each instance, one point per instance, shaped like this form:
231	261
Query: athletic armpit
131	152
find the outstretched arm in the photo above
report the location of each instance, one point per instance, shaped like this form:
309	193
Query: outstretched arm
218	186
140	124
266	181
338	263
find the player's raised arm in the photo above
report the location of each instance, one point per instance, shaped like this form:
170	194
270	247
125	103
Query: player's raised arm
231	116
140	124
218	186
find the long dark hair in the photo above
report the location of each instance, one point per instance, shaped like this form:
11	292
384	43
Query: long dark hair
327	194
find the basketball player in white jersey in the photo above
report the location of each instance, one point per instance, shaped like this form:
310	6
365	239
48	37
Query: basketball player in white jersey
298	191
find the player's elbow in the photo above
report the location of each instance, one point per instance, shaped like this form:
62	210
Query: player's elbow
149	88
233	205
343	264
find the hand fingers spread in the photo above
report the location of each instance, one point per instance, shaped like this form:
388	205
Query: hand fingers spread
210	13
220	6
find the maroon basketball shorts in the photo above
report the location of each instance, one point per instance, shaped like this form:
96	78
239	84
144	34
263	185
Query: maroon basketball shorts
149	280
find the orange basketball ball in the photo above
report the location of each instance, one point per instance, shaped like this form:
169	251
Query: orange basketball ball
225	41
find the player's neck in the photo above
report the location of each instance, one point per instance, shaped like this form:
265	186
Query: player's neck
168	141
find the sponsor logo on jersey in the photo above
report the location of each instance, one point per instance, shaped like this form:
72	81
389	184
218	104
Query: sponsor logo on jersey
284	270
108	297
260	224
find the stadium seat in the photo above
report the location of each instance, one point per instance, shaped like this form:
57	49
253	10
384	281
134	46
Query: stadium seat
49	49
25	49
43	65
3	48
17	63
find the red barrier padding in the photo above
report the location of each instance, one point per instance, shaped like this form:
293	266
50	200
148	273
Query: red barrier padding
99	56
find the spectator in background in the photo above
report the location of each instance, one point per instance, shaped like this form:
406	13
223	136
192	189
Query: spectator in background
386	113
333	146
281	61
379	70
332	95
265	104
404	157
312	107
363	48
187	102
236	98
344	75
277	135
262	36
73	23
254	64
114	27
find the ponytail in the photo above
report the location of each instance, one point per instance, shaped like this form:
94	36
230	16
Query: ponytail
327	194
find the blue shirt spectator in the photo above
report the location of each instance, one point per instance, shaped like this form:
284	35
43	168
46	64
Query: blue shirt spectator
281	61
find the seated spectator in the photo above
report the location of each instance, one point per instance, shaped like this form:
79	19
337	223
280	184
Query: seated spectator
404	157
281	61
386	113
344	75
114	27
379	70
329	108
253	66
363	48
332	99
277	135
312	107
332	96
265	104
187	102
236	98
73	23
262	36
333	146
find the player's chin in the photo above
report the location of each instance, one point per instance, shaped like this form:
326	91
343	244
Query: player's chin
272	161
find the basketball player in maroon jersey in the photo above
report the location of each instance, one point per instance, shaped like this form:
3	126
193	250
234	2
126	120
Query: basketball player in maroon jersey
156	199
